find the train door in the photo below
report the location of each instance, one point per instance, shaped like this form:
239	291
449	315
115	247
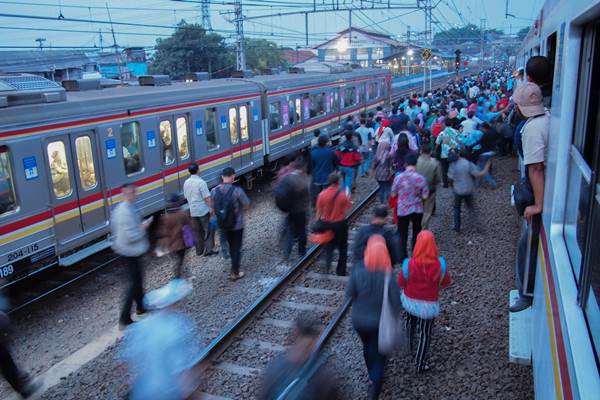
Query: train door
169	159
294	110
246	146
184	146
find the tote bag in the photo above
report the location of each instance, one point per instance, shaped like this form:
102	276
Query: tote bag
392	329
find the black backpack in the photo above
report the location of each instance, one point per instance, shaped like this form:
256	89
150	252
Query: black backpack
225	209
284	196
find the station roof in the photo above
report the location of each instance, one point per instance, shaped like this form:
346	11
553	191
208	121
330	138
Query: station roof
360	38
41	60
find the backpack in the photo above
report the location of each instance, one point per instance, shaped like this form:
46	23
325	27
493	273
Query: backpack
284	196
225	209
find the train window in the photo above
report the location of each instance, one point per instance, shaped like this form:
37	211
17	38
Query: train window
166	136
298	109
291	112
275	115
336	101
130	141
244	132
85	162
317	104
8	200
182	137
233	126
210	128
371	91
349	97
59	169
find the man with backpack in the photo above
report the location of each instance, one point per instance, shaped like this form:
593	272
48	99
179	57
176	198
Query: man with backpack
292	197
229	203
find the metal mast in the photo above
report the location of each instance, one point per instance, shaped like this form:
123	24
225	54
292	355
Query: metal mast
206	15
240	54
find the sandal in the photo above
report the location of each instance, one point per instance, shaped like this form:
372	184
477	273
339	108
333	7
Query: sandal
235	277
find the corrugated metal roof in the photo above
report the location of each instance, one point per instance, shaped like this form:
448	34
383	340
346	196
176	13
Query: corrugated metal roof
41	60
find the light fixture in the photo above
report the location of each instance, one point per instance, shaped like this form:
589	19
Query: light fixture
403	58
410	52
342	45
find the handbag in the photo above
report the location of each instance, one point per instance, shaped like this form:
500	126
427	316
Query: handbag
523	196
392	329
188	236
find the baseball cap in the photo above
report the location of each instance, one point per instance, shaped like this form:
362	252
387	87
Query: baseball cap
528	96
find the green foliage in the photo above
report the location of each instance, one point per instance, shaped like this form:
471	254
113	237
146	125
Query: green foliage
522	33
192	49
468	33
261	53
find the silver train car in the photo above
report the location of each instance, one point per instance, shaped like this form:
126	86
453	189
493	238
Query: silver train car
560	334
65	155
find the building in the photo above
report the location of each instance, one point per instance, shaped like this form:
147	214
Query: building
293	57
358	46
130	63
57	65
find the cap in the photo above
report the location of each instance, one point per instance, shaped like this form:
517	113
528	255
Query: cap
528	97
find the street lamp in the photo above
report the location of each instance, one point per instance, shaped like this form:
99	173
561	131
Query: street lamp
410	52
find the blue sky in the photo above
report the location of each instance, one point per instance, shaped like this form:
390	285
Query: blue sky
285	30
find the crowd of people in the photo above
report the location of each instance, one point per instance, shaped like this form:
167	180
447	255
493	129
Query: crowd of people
424	143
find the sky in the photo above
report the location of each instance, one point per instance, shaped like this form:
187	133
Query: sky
284	30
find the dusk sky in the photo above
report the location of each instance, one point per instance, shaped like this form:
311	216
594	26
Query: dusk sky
284	30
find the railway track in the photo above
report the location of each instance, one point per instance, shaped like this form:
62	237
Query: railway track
232	363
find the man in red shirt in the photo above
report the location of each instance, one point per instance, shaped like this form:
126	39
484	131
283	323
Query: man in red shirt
333	205
349	158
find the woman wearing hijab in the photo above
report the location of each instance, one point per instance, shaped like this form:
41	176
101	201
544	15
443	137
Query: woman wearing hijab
365	289
422	277
382	170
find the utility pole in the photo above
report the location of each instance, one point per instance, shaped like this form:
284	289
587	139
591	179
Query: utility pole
306	27
204	8
41	41
240	55
408	35
482	28
350	35
101	40
118	57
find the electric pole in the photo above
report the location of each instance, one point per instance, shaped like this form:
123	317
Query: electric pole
482	27
41	41
118	57
240	55
206	15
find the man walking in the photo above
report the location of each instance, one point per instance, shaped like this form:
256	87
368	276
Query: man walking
431	170
411	189
129	240
376	227
197	195
333	204
229	203
297	187
349	157
324	161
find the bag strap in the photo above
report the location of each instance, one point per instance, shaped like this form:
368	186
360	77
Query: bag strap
442	268
405	269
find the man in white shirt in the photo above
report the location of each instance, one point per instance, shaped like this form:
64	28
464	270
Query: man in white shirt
197	195
470	124
473	91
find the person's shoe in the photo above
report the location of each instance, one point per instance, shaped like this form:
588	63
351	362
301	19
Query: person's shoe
235	277
124	323
211	253
424	369
32	386
521	304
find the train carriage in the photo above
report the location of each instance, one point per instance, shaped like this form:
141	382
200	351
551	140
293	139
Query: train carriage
564	322
64	158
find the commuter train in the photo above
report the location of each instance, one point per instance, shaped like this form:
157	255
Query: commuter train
65	155
564	321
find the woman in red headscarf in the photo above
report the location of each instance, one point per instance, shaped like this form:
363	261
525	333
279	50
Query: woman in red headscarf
422	277
365	290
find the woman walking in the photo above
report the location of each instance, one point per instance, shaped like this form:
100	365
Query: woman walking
365	289
382	168
422	277
174	224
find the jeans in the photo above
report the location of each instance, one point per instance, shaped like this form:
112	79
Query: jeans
135	292
425	327
428	207
205	235
445	165
458	199
9	369
403	222
366	164
526	277
223	243
296	230
179	256
348	177
234	240
340	241
375	362
385	188
483	159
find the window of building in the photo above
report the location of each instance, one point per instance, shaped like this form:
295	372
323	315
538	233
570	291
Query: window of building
233	126
85	162
349	97
130	141
8	200
166	135
59	169
244	128
317	105
275	115
182	137
210	129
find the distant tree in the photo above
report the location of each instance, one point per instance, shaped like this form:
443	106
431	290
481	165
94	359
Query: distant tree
467	33
522	33
261	53
192	49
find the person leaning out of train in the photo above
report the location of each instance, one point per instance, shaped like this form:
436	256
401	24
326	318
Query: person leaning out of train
422	277
175	233
130	240
365	290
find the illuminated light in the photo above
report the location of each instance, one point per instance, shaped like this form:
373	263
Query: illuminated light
403	58
410	52
342	45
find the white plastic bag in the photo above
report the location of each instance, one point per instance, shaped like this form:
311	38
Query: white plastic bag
392	328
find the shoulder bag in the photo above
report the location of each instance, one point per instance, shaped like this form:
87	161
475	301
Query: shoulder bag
392	329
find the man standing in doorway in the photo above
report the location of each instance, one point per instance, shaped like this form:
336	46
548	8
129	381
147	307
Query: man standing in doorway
197	195
129	240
